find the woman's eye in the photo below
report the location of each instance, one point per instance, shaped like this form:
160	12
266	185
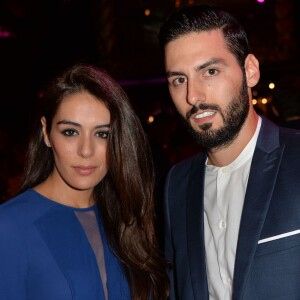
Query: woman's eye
102	134
69	132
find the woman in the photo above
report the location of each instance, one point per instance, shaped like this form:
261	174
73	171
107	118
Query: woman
83	226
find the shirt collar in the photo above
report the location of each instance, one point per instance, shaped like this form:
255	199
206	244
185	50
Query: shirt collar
246	154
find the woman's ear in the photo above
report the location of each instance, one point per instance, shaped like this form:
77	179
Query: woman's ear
44	130
252	70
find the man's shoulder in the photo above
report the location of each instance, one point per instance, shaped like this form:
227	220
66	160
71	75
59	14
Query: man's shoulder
272	136
289	139
183	169
198	158
289	135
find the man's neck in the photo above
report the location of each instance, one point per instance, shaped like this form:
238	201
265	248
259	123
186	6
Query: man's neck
225	155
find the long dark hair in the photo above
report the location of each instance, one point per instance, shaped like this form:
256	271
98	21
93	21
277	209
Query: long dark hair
200	18
125	195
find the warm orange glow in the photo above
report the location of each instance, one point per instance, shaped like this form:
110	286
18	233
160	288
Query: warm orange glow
254	101
150	119
147	12
264	100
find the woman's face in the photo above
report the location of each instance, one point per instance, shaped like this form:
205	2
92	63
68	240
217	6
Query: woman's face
78	138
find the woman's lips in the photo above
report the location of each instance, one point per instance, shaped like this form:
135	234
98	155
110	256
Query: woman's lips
84	170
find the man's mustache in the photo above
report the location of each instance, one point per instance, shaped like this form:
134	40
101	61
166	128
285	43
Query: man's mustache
201	106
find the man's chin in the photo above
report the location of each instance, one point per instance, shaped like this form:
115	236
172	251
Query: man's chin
205	126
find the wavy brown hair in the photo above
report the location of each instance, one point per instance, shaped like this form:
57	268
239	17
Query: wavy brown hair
125	195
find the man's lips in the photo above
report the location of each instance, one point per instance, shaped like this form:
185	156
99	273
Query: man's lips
204	114
203	117
202	111
84	170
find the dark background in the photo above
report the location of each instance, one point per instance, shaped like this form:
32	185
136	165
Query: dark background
40	38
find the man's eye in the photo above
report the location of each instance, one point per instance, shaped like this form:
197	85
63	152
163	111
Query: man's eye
69	132
103	134
211	72
179	81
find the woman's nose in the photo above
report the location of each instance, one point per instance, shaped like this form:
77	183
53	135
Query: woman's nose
86	147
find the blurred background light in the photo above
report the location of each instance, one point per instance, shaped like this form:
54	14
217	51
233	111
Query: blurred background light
271	85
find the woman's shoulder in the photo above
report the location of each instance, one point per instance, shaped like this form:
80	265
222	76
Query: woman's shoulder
23	209
20	202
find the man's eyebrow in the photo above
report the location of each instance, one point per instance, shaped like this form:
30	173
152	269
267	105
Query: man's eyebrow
171	73
66	122
210	62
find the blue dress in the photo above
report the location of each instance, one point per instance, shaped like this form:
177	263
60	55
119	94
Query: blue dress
46	255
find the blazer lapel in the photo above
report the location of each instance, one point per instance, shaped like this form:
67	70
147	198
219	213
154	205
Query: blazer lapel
195	228
262	177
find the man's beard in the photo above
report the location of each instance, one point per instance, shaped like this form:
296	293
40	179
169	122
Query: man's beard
233	118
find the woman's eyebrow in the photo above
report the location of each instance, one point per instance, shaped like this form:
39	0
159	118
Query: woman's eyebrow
66	122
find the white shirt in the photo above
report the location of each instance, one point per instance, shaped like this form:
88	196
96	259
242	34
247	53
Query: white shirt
224	194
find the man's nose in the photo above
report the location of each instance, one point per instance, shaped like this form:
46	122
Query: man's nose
195	92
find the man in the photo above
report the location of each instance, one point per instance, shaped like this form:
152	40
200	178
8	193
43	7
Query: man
232	212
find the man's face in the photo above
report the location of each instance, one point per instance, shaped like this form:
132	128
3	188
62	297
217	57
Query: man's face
207	86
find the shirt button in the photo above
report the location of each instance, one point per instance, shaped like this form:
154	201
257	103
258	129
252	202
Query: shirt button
229	281
222	224
225	170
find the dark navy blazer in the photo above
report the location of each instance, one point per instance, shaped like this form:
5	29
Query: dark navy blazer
263	271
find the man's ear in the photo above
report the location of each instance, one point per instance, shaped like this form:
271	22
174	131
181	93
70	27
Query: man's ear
252	70
44	130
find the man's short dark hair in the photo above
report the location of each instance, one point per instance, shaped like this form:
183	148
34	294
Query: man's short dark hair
206	18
